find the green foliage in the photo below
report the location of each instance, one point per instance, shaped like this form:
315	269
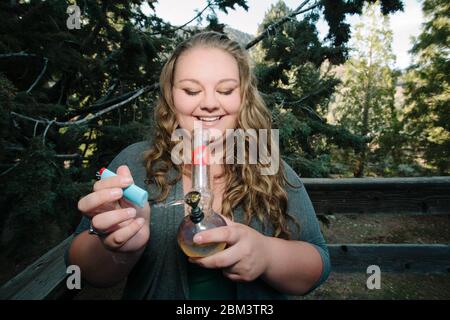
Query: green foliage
38	195
365	103
102	61
335	12
51	73
293	68
44	167
224	5
427	117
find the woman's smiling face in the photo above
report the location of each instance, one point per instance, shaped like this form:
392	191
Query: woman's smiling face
206	88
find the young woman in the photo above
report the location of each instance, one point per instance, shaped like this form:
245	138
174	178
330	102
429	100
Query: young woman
274	244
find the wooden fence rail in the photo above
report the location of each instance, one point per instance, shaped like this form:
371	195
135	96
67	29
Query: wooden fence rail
380	195
410	258
43	279
46	277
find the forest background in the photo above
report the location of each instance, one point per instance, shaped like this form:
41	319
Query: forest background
74	93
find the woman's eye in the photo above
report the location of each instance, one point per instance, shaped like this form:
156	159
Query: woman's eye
226	92
191	92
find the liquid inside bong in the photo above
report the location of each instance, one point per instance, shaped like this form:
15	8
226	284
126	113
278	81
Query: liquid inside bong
200	251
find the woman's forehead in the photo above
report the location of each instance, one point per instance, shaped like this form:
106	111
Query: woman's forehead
206	63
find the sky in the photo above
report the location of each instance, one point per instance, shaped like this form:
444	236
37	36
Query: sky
404	24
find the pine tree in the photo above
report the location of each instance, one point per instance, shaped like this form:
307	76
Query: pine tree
52	76
427	90
365	102
58	84
293	66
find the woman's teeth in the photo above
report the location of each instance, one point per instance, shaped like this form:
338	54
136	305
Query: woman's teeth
209	119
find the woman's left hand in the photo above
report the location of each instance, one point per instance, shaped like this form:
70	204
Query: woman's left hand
246	256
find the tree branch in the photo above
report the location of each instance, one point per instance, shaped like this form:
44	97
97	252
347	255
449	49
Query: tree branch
29	118
24	54
40	75
17	54
194	18
98	114
275	25
185	24
68	156
100	103
89	117
60	156
9	169
46	129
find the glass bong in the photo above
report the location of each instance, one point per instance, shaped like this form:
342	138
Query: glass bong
201	217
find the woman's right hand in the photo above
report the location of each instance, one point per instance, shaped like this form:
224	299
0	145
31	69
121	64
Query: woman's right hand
127	225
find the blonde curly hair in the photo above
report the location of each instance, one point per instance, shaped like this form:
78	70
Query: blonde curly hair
263	196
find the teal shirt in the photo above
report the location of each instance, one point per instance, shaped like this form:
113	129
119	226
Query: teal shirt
163	271
209	284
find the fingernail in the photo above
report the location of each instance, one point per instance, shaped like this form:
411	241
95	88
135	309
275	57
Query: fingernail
131	212
126	180
140	221
198	238
116	192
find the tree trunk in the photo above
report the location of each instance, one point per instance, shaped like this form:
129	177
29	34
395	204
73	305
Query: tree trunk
361	162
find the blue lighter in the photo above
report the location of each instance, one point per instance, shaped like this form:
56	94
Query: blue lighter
132	193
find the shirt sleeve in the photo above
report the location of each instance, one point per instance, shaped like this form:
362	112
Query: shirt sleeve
302	210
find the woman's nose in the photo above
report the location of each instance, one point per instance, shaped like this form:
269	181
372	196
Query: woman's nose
209	102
